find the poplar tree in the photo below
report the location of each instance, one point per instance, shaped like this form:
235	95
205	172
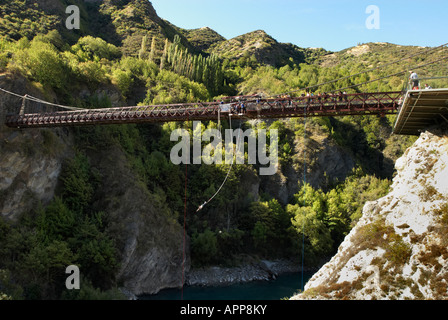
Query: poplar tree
153	49
142	51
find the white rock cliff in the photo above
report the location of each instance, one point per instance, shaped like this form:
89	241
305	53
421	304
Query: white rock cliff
399	248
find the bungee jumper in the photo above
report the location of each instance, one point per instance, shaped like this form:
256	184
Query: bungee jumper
201	206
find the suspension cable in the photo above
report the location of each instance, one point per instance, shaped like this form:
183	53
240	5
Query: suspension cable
392	75
362	72
31	98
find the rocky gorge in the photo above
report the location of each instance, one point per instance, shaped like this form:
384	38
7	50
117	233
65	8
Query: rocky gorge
398	249
109	199
31	166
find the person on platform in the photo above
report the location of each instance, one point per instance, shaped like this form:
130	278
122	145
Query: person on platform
414	80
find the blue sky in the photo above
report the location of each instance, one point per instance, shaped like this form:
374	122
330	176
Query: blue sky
331	24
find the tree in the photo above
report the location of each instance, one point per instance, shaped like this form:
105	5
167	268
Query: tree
123	80
259	235
204	247
306	222
152	53
142	52
56	222
44	64
89	48
78	190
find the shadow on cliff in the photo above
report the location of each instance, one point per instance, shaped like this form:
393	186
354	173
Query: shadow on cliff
368	155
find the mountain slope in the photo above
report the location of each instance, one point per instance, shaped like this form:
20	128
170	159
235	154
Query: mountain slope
203	38
142	192
265	49
398	249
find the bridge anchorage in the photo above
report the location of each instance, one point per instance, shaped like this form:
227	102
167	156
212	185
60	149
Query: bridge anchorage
245	107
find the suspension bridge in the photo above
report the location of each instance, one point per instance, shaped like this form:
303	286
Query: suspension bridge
243	107
416	108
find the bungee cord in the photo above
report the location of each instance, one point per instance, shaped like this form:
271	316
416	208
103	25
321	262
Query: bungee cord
228	172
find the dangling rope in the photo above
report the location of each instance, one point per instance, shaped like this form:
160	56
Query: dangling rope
185	224
304	198
184	248
228	172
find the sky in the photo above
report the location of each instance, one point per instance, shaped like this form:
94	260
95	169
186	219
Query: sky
330	24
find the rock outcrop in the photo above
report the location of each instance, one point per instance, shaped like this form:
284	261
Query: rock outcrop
399	248
149	238
27	174
256	271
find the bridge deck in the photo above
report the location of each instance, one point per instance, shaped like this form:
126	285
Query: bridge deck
378	103
422	109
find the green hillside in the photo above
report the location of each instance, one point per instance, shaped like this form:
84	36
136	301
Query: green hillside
125	54
258	46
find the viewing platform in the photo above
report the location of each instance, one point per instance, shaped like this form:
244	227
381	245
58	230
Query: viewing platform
421	109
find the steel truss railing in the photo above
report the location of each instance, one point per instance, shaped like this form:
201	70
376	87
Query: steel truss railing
320	105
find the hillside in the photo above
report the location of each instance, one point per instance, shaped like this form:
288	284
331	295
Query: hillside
108	198
398	249
203	38
264	49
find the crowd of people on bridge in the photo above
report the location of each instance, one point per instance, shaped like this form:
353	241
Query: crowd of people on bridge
239	105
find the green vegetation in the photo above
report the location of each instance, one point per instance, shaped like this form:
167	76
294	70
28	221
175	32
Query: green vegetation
36	251
21	19
145	60
325	218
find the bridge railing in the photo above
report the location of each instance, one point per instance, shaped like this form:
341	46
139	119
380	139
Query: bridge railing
318	105
432	82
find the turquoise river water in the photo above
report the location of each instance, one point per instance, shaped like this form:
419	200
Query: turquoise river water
285	286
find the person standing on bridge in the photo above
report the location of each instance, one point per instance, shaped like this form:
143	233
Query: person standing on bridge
414	80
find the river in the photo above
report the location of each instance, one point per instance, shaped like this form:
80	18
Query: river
284	286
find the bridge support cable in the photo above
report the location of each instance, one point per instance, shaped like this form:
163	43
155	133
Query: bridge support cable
395	74
34	99
304	197
363	72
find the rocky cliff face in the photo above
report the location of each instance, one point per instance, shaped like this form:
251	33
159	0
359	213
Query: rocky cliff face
149	239
30	160
325	162
29	174
399	248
